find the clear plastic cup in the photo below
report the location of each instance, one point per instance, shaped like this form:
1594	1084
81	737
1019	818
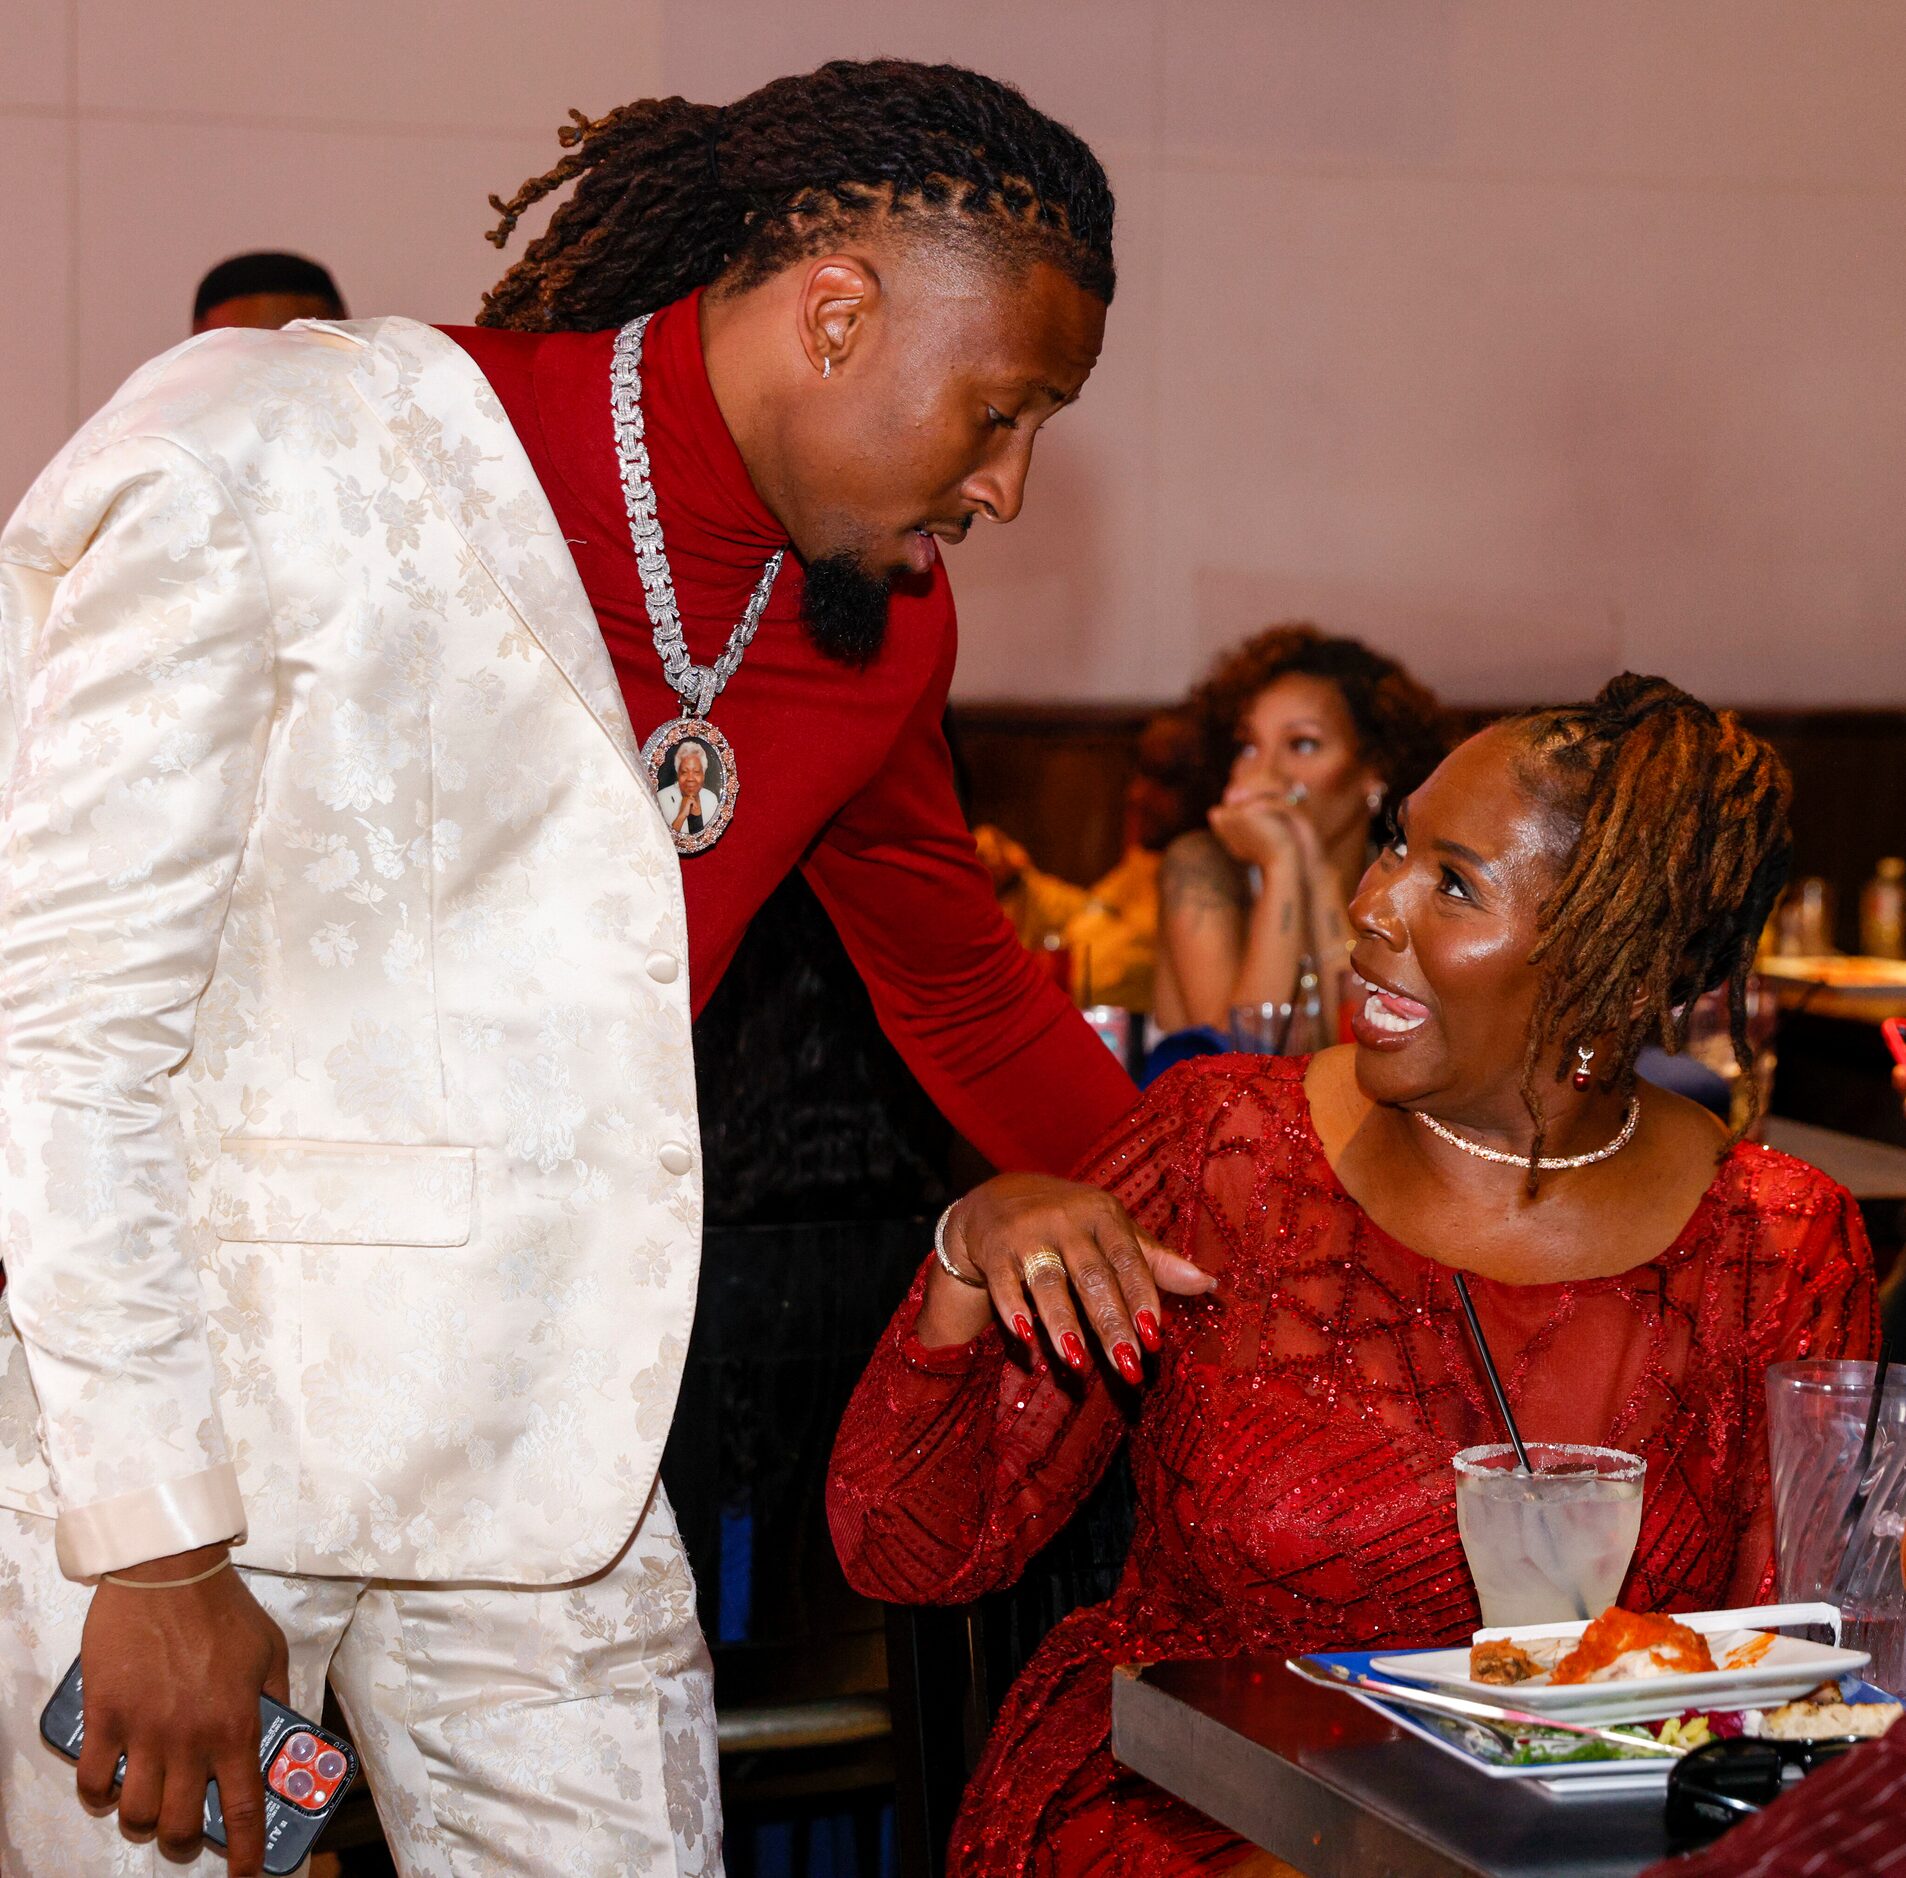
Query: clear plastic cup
1816	1422
1553	1545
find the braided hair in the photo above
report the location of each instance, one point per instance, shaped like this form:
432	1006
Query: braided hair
1679	817
671	195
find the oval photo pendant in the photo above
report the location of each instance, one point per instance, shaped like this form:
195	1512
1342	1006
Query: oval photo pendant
692	771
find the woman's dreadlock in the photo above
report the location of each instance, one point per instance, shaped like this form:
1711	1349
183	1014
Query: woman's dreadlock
1681	848
671	195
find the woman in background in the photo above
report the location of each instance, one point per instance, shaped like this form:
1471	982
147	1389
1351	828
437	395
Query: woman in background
1315	736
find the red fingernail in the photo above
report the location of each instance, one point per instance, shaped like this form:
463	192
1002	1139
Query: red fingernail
1022	1327
1072	1349
1127	1360
1147	1329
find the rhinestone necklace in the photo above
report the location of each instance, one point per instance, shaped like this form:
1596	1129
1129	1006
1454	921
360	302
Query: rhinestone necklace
1548	1164
691	766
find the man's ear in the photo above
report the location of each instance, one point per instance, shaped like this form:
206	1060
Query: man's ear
839	293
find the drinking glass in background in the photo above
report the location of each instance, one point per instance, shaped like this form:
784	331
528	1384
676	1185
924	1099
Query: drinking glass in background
1260	1029
1883	910
1294	1029
1120	1030
1816	1423
1553	1545
1803	919
1711	1044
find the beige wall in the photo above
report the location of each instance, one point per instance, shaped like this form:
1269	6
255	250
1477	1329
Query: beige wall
1528	339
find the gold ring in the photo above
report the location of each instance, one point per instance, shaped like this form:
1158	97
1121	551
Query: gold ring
1044	1260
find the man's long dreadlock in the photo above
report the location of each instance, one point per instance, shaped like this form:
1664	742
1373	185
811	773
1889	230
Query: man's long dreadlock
671	195
1682	848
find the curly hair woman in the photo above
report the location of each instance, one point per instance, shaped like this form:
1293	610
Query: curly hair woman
1313	737
1559	891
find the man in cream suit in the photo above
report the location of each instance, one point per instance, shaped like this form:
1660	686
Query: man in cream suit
349	1176
336	910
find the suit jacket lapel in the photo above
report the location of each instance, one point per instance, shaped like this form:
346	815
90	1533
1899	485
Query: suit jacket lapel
450	424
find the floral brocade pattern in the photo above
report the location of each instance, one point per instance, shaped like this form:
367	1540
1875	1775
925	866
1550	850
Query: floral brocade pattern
334	912
1291	1453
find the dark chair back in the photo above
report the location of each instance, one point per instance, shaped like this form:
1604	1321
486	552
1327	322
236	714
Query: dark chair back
949	1668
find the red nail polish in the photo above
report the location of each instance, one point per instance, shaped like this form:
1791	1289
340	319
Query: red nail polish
1147	1329
1072	1349
1127	1360
1022	1327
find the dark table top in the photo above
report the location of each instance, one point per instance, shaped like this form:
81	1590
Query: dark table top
1335	1790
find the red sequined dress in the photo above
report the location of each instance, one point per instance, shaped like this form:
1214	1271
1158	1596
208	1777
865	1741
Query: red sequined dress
1291	1453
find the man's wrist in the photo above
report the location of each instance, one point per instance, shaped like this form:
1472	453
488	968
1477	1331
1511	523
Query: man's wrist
203	1558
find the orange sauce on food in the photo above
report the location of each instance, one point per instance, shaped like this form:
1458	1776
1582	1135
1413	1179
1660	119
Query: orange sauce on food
1615	1632
1746	1655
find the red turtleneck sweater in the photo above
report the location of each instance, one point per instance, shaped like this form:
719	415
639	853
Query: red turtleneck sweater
843	774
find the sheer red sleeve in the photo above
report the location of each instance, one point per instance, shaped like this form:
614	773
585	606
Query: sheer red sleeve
954	1466
1830	1308
993	1040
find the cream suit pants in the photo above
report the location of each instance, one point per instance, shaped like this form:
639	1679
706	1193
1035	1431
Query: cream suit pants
562	1733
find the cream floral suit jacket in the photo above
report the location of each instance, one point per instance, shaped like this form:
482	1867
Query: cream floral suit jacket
349	1177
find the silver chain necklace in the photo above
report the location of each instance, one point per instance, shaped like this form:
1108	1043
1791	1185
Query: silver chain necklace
1548	1164
691	766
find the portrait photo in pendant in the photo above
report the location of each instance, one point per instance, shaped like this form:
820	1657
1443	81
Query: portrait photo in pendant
693	771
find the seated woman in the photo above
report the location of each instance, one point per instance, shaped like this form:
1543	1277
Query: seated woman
1315	736
1559	891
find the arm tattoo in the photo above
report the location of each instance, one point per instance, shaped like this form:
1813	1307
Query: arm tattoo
1198	876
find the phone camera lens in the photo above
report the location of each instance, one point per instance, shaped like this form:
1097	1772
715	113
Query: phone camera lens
299	1784
301	1747
330	1765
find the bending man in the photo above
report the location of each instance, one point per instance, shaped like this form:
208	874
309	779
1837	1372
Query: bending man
350	1180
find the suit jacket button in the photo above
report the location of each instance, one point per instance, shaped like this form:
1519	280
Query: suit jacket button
664	967
676	1158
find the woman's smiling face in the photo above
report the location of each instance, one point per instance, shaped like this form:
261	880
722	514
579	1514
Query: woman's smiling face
1446	918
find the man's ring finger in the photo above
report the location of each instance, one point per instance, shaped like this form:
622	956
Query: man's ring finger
1042	1261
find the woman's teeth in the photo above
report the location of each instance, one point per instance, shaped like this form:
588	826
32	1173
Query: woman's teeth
1379	1017
1391	1012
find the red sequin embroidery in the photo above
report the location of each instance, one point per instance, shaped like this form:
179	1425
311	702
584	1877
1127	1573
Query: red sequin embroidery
1292	1451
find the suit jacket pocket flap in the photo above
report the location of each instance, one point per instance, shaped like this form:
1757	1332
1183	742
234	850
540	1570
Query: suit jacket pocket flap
343	1193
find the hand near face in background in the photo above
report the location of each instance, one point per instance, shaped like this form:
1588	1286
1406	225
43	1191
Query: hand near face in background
1264	827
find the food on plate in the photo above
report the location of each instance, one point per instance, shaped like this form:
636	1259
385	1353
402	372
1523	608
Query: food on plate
1502	1662
1753	1651
1633	1646
1824	1716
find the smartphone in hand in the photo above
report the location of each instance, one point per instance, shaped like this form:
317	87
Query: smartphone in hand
306	1768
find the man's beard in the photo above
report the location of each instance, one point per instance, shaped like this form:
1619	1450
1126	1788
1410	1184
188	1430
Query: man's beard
844	608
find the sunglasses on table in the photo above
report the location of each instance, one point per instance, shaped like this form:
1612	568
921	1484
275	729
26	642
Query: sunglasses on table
1725	1782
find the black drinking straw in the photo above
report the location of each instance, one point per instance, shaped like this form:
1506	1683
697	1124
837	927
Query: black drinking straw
1489	1370
1845	1579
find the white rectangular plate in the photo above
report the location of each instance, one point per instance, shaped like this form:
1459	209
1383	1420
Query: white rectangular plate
1789	1668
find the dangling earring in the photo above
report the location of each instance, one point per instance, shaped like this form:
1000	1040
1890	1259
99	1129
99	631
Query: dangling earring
1581	1076
827	368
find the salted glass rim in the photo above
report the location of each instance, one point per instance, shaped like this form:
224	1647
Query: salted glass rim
1475	1463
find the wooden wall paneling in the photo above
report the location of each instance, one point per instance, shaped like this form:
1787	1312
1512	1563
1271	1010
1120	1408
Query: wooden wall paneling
1054	776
